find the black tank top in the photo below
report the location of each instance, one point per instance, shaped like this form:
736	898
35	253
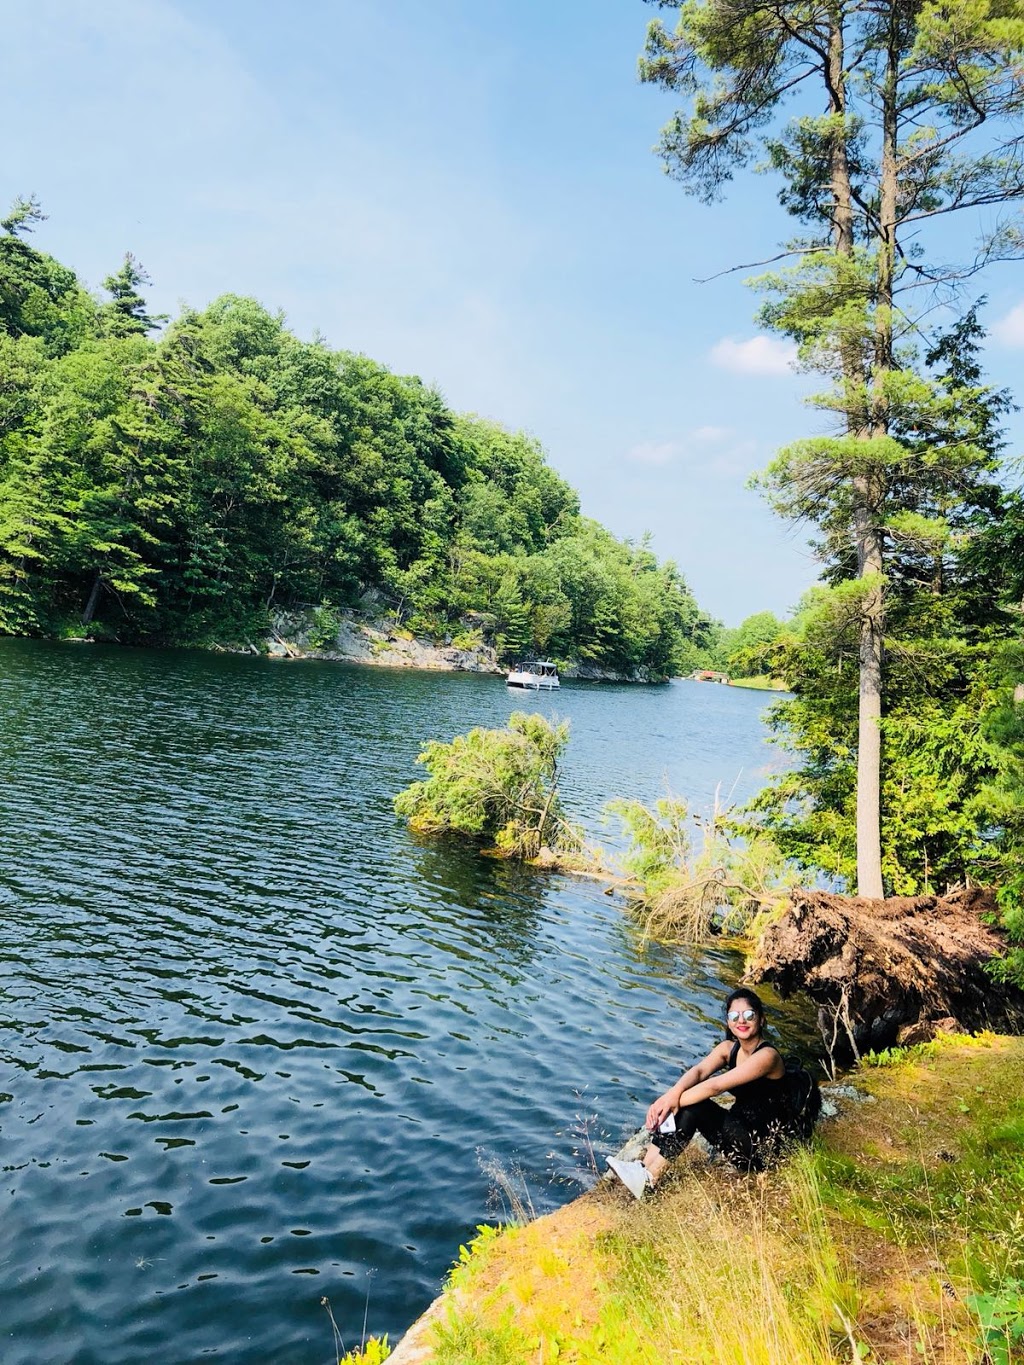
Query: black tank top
762	1102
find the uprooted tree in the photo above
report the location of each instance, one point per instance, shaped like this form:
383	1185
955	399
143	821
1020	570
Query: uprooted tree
500	786
891	972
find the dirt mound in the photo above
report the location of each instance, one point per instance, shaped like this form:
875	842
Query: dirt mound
888	971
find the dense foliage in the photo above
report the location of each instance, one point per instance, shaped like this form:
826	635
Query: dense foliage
738	650
498	785
183	487
950	608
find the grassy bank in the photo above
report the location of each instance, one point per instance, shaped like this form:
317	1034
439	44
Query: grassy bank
898	1238
760	682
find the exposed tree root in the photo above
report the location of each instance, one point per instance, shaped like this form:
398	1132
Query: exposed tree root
889	971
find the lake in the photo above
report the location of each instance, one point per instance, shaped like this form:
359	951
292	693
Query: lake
259	1044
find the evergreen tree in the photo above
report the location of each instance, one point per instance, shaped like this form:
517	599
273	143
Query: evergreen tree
38	296
943	617
125	315
23	216
905	88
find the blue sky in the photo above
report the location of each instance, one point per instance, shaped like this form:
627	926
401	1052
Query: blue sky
464	191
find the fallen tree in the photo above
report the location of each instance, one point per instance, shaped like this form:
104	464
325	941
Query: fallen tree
686	892
891	971
500	786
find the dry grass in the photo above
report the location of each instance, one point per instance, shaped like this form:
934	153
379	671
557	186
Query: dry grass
869	1247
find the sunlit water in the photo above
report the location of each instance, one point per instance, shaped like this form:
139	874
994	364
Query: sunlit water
258	1044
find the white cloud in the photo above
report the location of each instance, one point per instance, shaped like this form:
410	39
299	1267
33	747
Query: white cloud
1010	330
718	451
735	461
756	355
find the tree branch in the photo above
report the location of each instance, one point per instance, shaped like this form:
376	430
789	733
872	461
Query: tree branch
753	265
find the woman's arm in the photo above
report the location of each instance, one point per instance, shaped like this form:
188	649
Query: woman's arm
696	1076
751	1068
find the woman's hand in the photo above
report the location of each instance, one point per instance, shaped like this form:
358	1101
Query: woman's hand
661	1108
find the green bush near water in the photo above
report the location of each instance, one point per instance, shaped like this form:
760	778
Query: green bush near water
325	623
495	785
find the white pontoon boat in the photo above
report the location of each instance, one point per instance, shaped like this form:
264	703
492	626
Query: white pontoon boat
539	673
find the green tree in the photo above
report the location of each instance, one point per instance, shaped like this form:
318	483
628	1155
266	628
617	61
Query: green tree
905	89
1000	803
125	315
38	296
22	216
748	643
943	614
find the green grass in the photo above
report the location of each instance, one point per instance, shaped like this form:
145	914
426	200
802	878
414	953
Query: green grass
898	1237
760	682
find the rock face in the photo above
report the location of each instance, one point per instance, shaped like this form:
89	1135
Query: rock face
389	646
595	673
890	971
357	642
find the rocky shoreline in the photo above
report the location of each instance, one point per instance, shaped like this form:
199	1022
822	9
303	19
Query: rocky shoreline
385	644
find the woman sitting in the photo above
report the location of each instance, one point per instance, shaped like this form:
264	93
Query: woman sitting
752	1133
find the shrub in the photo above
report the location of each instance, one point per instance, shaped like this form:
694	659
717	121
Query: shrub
497	785
325	622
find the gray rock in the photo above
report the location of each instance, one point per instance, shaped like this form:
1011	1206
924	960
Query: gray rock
837	1097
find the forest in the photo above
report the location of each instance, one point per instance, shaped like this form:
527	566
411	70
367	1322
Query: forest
180	481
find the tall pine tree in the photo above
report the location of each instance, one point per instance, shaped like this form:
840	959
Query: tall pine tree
905	90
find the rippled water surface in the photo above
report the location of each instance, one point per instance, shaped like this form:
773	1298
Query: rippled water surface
258	1044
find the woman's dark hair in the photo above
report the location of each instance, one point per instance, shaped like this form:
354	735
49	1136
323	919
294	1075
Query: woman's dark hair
755	1001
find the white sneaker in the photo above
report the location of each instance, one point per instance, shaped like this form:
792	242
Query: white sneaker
633	1174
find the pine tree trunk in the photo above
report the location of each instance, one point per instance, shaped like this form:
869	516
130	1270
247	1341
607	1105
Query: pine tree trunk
94	597
870	550
868	542
869	712
842	191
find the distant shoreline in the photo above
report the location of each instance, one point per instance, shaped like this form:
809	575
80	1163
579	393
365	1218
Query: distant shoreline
384	644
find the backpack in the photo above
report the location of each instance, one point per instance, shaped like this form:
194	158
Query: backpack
802	1095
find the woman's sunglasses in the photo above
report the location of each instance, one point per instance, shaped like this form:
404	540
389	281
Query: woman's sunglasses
748	1016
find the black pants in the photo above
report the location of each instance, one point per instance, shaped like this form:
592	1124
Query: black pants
748	1148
